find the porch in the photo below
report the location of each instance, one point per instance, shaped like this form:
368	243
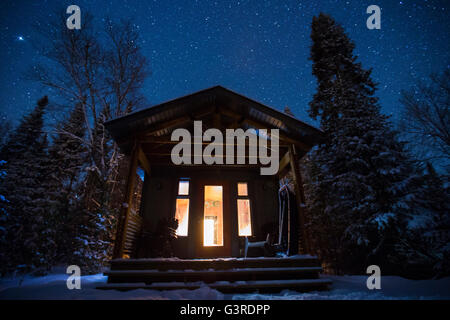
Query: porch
217	205
299	273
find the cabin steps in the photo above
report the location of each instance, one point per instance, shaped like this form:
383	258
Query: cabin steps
216	264
231	287
225	275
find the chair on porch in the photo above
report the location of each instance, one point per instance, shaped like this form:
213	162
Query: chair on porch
287	230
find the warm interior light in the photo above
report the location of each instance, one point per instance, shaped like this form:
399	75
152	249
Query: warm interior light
246	231
183	188
244	222
213	216
242	189
182	215
209	231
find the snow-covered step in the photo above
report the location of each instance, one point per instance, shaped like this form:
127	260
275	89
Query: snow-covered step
216	264
299	272
226	286
212	275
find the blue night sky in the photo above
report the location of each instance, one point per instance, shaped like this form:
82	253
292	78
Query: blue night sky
257	48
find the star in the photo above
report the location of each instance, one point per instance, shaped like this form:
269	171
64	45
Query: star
211	44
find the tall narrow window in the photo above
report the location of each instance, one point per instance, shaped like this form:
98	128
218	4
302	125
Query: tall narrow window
135	207
243	208
182	207
213	216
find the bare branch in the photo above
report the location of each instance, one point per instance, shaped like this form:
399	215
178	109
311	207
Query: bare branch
426	116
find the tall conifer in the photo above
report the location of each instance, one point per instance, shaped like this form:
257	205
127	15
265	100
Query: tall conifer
358	177
29	239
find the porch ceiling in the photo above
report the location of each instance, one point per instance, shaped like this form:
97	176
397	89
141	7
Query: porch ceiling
217	107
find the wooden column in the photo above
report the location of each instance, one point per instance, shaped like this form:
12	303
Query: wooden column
284	163
143	160
126	206
304	245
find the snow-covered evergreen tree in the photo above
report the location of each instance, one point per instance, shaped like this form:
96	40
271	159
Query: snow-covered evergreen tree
67	158
428	233
29	237
95	216
105	79
3	216
5	128
357	178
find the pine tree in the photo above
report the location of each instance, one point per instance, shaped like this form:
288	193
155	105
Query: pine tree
101	72
29	240
66	163
429	231
96	217
357	179
3	217
5	128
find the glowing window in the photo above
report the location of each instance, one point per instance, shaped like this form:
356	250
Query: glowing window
213	216
242	189
183	188
182	208
243	209
182	215
244	223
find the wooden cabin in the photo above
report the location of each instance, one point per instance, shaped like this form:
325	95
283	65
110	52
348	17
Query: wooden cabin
220	208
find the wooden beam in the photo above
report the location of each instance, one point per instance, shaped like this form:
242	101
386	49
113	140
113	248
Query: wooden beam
166	140
154	139
168	124
125	210
304	247
259	125
179	121
282	136
201	114
143	134
284	162
217	120
143	161
299	144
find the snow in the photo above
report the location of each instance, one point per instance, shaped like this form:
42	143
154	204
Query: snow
281	255
418	221
354	288
53	286
211	270
382	220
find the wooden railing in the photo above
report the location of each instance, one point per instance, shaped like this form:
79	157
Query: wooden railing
133	229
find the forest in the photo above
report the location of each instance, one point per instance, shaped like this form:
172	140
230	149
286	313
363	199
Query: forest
377	192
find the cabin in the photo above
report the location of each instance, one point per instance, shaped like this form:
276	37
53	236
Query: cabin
236	219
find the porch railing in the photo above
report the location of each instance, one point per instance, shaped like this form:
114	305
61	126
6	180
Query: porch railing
133	230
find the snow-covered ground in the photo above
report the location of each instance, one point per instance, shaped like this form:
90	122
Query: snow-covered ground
354	288
53	286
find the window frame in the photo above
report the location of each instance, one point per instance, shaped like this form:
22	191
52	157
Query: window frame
183	196
245	197
222	215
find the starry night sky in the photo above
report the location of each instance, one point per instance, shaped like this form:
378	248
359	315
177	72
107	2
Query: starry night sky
257	48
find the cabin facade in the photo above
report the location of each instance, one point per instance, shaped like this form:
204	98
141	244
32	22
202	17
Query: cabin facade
221	209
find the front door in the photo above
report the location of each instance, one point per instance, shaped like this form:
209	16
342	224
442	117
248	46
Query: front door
214	228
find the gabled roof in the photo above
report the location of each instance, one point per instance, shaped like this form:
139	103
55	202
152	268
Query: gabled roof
224	100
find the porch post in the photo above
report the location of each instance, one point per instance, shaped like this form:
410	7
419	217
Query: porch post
304	245
126	206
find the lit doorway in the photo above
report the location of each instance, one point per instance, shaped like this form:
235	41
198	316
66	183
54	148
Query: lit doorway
213	216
